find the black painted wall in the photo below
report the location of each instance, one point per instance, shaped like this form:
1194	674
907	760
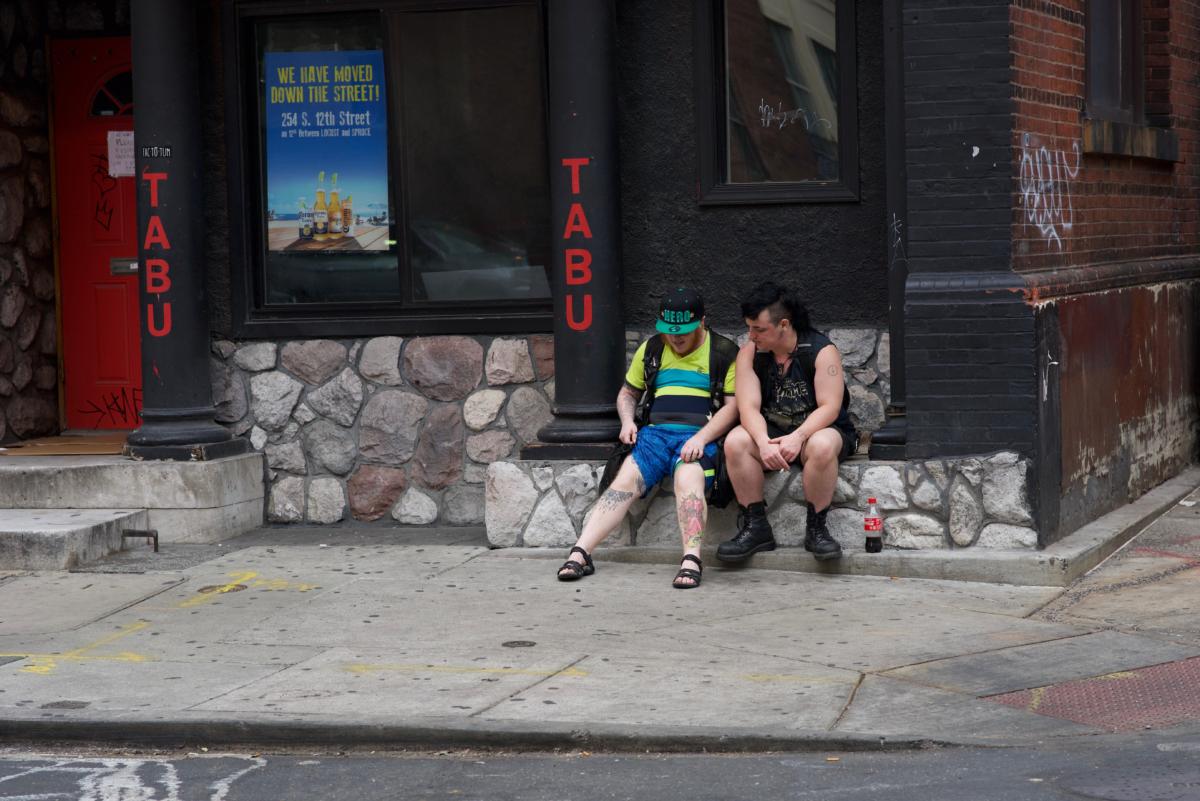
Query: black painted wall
970	343
832	252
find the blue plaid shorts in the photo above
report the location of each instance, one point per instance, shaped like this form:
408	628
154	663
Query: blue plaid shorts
656	454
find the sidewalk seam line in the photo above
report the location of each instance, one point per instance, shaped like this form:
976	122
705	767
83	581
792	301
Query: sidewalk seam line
529	687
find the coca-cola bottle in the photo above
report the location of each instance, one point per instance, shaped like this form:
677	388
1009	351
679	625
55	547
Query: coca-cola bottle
873	528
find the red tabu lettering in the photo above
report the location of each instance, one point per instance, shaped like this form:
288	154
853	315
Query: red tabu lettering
577	260
157	271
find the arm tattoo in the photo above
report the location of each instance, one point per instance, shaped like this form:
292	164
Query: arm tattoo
833	369
612	499
691	511
626	406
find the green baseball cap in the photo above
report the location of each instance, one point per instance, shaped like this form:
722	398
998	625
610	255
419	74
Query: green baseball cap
680	312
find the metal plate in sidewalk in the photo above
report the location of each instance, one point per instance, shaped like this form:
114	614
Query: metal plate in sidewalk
1129	700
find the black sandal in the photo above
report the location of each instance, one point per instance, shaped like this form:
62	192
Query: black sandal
576	570
688	573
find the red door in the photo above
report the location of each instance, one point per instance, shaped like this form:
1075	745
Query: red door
97	235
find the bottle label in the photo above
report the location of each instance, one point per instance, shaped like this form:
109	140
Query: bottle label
873	524
320	221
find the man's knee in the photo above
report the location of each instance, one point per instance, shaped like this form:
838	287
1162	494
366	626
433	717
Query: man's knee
628	477
689	476
738	442
823	447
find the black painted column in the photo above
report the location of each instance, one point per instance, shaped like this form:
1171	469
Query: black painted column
889	441
177	410
589	333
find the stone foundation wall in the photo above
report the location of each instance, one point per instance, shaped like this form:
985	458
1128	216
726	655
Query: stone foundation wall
28	333
980	502
370	428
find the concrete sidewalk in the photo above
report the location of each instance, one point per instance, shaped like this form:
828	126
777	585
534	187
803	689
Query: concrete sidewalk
398	637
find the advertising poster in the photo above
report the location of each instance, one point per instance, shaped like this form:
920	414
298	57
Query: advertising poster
326	138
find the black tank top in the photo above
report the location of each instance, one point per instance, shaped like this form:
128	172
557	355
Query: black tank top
789	397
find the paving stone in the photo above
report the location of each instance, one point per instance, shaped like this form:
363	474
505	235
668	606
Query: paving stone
338	399
314	361
966	513
286	504
388	426
444	368
438	460
509	500
257	356
373	489
508	362
326	501
1003	535
482	407
415	508
462	505
913	531
330	446
273	395
380	361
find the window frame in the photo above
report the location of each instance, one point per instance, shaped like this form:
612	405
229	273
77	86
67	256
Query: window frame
712	115
1130	107
250	315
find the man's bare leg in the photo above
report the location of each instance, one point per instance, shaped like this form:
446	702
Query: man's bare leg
744	466
820	463
692	512
610	508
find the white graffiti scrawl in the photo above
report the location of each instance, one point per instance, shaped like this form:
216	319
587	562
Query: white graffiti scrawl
1046	179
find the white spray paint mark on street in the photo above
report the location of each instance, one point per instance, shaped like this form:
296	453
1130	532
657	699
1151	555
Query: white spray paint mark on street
127	779
1046	179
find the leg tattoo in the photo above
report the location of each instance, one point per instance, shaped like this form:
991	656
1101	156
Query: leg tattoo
612	499
691	519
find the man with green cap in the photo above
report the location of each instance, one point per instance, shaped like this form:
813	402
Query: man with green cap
680	390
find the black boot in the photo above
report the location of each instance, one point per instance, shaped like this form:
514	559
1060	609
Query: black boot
817	539
754	535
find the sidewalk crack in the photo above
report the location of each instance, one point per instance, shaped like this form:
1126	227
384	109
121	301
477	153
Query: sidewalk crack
849	700
526	689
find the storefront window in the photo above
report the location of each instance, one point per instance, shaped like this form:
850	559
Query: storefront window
327	218
474	156
401	161
777	93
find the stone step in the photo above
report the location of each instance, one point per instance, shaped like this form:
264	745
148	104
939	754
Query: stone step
201	501
60	539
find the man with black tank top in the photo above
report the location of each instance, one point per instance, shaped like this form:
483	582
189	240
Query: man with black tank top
793	406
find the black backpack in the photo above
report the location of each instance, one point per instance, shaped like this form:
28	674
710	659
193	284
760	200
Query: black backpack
722	352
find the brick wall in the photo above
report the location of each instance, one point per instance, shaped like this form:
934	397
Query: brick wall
1075	208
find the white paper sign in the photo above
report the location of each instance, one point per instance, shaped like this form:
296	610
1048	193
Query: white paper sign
120	153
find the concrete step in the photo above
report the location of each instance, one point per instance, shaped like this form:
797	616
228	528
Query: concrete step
59	539
205	501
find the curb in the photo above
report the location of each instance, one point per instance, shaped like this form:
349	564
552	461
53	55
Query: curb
1057	565
447	733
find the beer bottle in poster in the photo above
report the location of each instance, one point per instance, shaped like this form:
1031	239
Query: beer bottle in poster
335	211
348	215
305	220
320	211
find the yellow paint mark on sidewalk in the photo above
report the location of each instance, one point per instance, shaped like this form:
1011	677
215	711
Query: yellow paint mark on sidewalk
790	677
1036	695
242	581
239	580
42	664
363	668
